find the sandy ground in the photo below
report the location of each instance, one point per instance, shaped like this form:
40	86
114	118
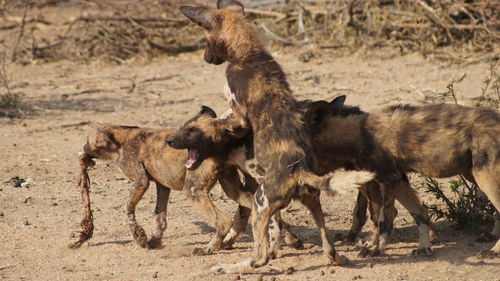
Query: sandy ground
36	222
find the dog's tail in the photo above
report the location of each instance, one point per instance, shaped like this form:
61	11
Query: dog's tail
339	181
87	222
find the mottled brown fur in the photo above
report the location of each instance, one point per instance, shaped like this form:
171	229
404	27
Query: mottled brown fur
211	137
143	156
261	98
436	140
239	152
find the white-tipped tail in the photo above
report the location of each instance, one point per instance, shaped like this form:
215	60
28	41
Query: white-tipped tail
343	182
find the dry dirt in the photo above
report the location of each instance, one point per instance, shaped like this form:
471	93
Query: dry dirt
36	222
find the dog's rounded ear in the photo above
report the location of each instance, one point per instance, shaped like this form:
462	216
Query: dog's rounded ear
199	15
337	104
207	110
230	4
316	112
104	136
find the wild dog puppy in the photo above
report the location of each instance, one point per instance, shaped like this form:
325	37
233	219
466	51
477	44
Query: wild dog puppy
143	156
262	99
439	140
207	136
370	196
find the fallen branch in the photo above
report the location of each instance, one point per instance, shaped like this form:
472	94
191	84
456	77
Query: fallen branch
138	20
279	16
83	123
175	49
280	39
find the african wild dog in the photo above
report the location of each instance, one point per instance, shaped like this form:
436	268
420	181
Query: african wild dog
439	140
261	98
143	156
206	136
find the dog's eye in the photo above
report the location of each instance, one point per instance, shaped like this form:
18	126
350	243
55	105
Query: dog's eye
190	129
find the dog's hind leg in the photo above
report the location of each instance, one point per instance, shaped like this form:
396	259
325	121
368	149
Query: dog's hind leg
358	219
138	175
275	234
160	218
489	182
409	199
382	214
240	221
265	205
310	198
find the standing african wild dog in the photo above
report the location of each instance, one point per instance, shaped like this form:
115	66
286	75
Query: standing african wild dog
211	137
143	156
206	136
439	140
261	98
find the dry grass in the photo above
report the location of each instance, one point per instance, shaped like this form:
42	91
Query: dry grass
121	30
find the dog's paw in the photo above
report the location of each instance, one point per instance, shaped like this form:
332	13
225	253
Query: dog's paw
295	243
201	251
350	237
365	252
154	243
339	260
422	252
140	237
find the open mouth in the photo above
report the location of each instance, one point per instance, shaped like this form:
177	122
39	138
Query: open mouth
193	159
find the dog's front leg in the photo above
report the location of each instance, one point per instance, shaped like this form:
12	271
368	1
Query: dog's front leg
197	186
242	194
160	218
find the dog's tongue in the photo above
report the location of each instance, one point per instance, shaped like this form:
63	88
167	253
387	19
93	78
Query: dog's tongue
192	158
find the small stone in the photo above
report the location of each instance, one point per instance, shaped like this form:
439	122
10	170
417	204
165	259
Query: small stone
332	271
27	200
370	265
2	214
155	275
306	56
236	277
289	270
322	273
26	222
272	279
53	204
357	277
260	278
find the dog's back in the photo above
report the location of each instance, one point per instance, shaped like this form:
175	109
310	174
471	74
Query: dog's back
128	144
439	140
